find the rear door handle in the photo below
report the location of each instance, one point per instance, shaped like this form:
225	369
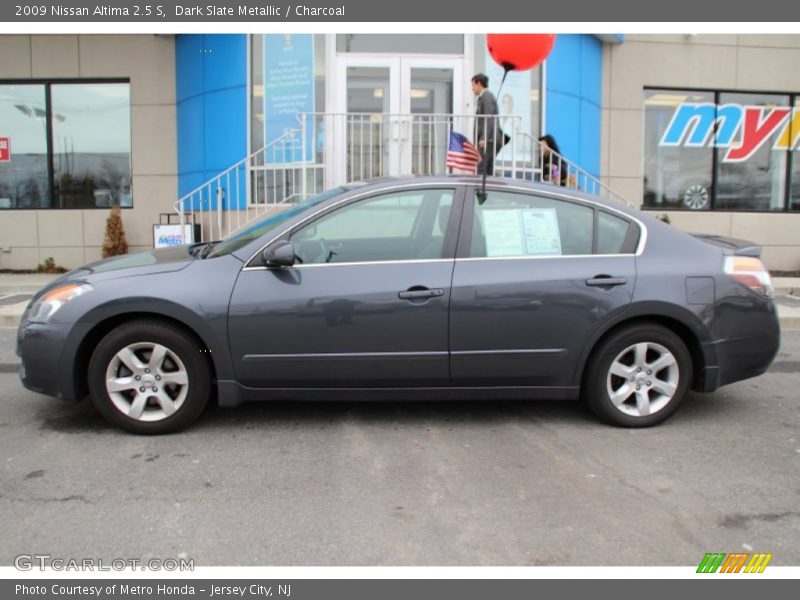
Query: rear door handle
606	281
416	293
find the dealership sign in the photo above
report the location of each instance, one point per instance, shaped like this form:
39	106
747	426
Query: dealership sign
5	150
742	130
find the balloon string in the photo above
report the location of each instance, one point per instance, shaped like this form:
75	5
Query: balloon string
505	74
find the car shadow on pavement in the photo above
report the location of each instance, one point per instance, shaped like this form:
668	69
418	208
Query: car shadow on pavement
81	417
283	413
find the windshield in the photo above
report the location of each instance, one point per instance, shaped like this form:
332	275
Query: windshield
240	239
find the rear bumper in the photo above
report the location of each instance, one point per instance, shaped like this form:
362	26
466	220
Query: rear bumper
739	359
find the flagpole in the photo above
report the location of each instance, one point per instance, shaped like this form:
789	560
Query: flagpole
449	137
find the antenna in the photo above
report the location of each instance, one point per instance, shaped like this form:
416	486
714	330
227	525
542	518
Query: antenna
481	195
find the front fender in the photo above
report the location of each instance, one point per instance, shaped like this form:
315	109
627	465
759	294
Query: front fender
87	332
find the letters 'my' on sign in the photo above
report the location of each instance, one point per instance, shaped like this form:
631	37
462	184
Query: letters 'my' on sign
696	124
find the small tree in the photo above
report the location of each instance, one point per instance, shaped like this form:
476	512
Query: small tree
115	242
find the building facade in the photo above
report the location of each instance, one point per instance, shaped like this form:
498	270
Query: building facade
142	120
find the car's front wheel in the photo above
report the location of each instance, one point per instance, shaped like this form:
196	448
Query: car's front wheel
149	377
638	376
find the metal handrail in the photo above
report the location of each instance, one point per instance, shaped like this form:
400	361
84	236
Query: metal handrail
552	167
330	149
244	191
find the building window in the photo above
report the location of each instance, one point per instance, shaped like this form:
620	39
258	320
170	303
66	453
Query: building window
674	177
24	180
695	155
69	145
794	159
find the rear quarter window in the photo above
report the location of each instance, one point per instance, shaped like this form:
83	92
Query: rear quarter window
612	232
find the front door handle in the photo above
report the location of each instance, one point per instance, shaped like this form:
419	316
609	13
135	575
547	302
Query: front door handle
606	281
417	293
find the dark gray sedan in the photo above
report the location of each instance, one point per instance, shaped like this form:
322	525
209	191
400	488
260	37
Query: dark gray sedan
410	288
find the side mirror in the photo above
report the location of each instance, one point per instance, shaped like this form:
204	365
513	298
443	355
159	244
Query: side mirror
279	255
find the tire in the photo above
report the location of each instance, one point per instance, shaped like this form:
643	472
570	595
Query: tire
172	387
655	393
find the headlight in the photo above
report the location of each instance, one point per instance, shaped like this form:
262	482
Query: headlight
46	306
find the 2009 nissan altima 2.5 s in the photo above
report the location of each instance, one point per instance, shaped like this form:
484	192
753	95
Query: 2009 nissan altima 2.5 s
428	288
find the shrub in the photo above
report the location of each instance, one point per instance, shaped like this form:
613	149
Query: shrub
49	266
115	243
665	218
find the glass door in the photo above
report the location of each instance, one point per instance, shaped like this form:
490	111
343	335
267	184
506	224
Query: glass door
364	126
431	89
393	115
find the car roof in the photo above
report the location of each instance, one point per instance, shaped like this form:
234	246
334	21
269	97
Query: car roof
495	182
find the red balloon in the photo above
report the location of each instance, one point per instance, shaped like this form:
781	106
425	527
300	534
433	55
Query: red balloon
519	51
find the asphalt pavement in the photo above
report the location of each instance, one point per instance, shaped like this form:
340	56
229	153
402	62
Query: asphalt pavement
422	483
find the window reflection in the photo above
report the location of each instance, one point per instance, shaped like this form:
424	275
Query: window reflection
91	144
794	137
674	177
24	181
759	183
697	178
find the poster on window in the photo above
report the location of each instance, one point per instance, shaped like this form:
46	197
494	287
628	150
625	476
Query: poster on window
5	150
288	90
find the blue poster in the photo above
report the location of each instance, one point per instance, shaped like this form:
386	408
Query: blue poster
288	90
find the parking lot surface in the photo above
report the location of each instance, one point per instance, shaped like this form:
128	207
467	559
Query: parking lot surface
479	483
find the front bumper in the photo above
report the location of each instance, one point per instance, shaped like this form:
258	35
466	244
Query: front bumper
41	348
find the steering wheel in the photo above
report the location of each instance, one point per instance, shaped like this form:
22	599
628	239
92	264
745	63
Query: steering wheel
327	253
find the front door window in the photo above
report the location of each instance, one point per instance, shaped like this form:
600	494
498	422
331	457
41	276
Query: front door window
400	226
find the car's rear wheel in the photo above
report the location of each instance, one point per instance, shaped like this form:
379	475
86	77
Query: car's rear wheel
638	376
149	377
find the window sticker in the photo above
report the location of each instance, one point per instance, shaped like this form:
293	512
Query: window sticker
503	233
521	232
540	227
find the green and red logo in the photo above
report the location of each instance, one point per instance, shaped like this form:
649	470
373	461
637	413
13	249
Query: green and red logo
737	562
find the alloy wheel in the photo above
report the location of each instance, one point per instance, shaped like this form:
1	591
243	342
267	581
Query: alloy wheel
696	196
643	379
147	381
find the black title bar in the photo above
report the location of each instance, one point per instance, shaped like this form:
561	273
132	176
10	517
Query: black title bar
443	11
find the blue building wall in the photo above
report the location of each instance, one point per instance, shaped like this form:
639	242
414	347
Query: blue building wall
211	90
574	97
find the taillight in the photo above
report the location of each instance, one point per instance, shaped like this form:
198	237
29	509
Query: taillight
751	273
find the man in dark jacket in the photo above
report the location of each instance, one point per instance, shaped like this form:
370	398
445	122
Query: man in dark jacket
486	127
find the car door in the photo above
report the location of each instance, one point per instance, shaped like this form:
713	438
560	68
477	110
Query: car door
366	303
536	275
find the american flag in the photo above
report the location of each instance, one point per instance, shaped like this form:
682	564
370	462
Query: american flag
461	154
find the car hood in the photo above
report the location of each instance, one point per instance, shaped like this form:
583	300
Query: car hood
163	260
